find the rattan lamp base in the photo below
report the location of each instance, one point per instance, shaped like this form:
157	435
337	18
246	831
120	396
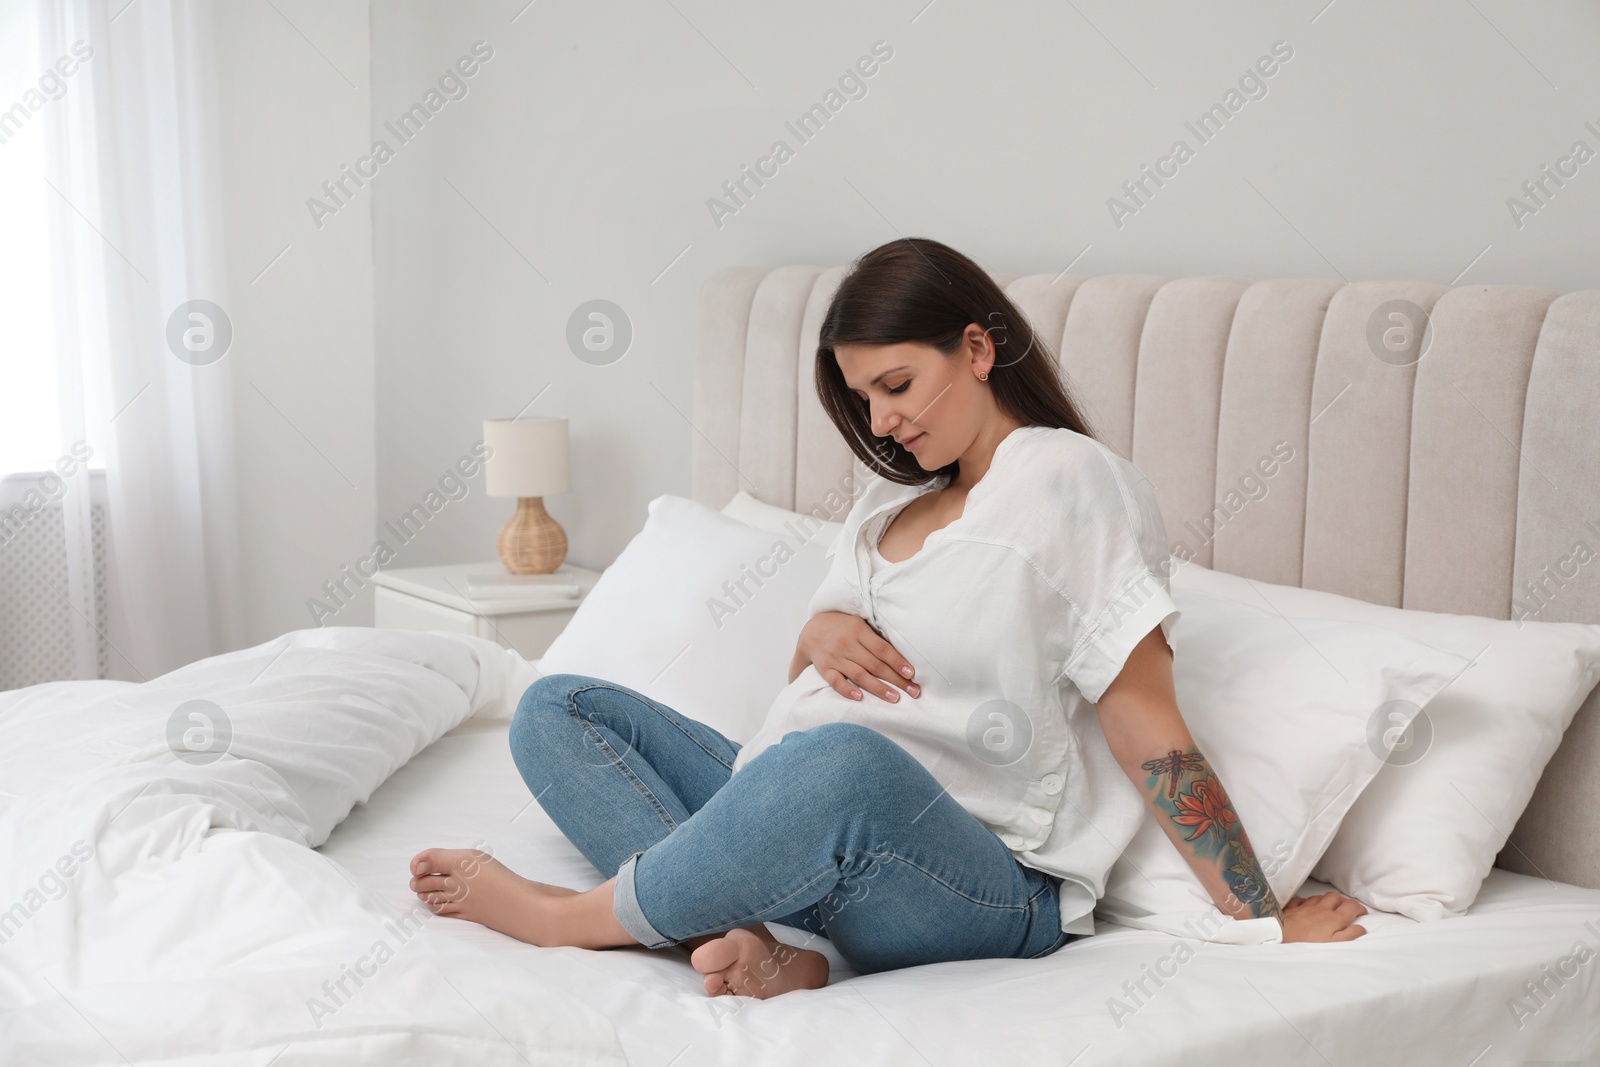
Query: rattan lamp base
531	542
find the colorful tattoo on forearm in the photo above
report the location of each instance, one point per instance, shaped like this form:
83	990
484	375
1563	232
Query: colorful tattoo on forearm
1185	789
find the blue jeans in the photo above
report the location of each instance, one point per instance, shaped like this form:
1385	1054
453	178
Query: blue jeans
835	830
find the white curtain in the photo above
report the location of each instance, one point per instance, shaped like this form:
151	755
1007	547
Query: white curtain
132	149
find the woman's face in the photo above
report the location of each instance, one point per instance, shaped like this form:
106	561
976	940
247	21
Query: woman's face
931	403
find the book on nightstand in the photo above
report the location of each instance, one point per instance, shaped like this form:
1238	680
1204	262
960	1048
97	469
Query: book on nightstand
555	587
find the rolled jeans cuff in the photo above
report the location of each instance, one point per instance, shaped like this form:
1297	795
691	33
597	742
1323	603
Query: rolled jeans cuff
625	906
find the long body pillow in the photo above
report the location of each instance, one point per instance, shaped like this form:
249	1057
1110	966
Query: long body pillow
1281	712
1422	838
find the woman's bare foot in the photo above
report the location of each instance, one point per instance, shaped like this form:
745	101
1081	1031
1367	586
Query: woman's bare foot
469	884
741	963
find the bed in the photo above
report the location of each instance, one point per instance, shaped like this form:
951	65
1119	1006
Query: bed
254	909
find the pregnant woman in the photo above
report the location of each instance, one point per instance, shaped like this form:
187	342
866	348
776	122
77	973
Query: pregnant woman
980	709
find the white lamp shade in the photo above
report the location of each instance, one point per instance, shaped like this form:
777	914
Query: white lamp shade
529	457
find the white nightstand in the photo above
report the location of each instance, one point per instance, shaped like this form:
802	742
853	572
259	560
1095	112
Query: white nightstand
435	598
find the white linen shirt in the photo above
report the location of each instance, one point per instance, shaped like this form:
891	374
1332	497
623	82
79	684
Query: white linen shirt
1016	616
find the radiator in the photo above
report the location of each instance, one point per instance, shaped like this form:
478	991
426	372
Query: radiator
35	620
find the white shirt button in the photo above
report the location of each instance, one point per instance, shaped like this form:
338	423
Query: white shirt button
1052	783
1011	840
1043	817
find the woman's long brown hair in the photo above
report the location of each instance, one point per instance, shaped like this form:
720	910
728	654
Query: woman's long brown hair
916	289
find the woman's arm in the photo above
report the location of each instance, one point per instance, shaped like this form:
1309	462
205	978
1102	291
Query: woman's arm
1139	715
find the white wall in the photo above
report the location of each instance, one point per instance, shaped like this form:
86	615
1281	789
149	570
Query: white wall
297	93
1385	148
579	164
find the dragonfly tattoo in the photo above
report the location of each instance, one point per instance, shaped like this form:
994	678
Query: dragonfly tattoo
1173	764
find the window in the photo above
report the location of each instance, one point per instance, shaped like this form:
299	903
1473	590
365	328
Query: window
30	409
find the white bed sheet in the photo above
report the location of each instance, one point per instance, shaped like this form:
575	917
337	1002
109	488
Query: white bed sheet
1407	993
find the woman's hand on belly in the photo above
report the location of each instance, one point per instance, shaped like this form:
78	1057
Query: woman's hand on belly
850	656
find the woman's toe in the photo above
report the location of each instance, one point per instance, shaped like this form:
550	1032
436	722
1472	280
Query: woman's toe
427	882
714	957
436	897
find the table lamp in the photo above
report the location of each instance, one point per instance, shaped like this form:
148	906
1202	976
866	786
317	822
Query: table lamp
529	462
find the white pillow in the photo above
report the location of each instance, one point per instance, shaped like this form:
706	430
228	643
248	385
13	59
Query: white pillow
1421	839
1281	713
699	612
799	528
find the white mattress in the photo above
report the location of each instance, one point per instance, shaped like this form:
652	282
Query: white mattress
1407	993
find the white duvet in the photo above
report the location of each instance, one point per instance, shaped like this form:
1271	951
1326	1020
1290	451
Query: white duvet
162	910
162	904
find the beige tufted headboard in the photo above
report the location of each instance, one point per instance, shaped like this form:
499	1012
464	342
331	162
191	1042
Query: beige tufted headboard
1440	484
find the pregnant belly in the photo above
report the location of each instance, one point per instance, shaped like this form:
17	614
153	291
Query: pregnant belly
921	726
